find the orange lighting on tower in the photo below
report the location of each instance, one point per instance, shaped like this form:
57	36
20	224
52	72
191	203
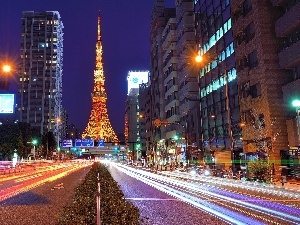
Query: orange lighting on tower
99	126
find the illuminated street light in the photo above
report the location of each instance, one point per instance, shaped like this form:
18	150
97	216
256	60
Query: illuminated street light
296	103
6	68
198	58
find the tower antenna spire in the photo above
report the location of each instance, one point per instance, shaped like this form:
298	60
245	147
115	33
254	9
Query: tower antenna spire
99	29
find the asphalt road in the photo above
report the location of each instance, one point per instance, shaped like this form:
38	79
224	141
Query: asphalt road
42	204
158	208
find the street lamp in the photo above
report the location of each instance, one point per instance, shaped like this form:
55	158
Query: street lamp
34	143
6	68
296	103
58	120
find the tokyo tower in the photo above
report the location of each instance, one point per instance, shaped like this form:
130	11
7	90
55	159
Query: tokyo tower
99	126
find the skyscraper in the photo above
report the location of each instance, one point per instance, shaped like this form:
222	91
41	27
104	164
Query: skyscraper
40	81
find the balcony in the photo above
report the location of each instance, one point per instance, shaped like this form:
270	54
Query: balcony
289	22
171	90
290	57
171	37
170	77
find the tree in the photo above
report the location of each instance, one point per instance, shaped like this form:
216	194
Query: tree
260	170
48	143
26	132
10	139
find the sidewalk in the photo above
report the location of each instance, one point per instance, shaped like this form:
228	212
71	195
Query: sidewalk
293	185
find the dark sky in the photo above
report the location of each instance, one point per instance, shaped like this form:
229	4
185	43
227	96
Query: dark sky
125	39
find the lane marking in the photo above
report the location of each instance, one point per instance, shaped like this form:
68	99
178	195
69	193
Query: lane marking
153	199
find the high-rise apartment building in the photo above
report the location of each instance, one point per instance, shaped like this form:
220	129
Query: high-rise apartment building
188	89
159	18
171	85
40	80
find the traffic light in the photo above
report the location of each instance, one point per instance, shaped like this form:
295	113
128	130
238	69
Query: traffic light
138	146
34	142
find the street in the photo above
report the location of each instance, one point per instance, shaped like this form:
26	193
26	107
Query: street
163	197
233	201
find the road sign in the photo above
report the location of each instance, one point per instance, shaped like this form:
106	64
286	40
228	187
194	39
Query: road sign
157	122
87	143
78	143
101	143
67	143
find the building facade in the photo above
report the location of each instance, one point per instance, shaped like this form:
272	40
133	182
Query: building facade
135	136
220	115
159	18
169	146
187	69
236	105
40	79
260	78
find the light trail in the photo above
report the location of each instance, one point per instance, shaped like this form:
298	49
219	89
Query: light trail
270	210
214	210
35	181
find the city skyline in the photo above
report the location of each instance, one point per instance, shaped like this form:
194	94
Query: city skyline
126	47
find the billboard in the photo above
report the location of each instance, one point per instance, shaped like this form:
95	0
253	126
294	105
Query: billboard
135	78
67	143
7	102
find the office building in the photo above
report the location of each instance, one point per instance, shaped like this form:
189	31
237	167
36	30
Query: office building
134	118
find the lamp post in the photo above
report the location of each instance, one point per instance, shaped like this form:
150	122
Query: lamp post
6	69
34	142
296	103
58	120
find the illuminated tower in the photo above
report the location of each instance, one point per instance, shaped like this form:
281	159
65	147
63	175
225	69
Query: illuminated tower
99	126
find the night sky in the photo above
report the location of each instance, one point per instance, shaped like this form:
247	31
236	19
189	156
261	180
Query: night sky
126	46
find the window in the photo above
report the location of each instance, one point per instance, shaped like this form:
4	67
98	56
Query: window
255	90
261	119
248	117
249	32
247	7
245	90
252	59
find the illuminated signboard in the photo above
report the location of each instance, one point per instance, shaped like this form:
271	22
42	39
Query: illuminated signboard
78	143
67	143
7	102
87	143
135	78
101	143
